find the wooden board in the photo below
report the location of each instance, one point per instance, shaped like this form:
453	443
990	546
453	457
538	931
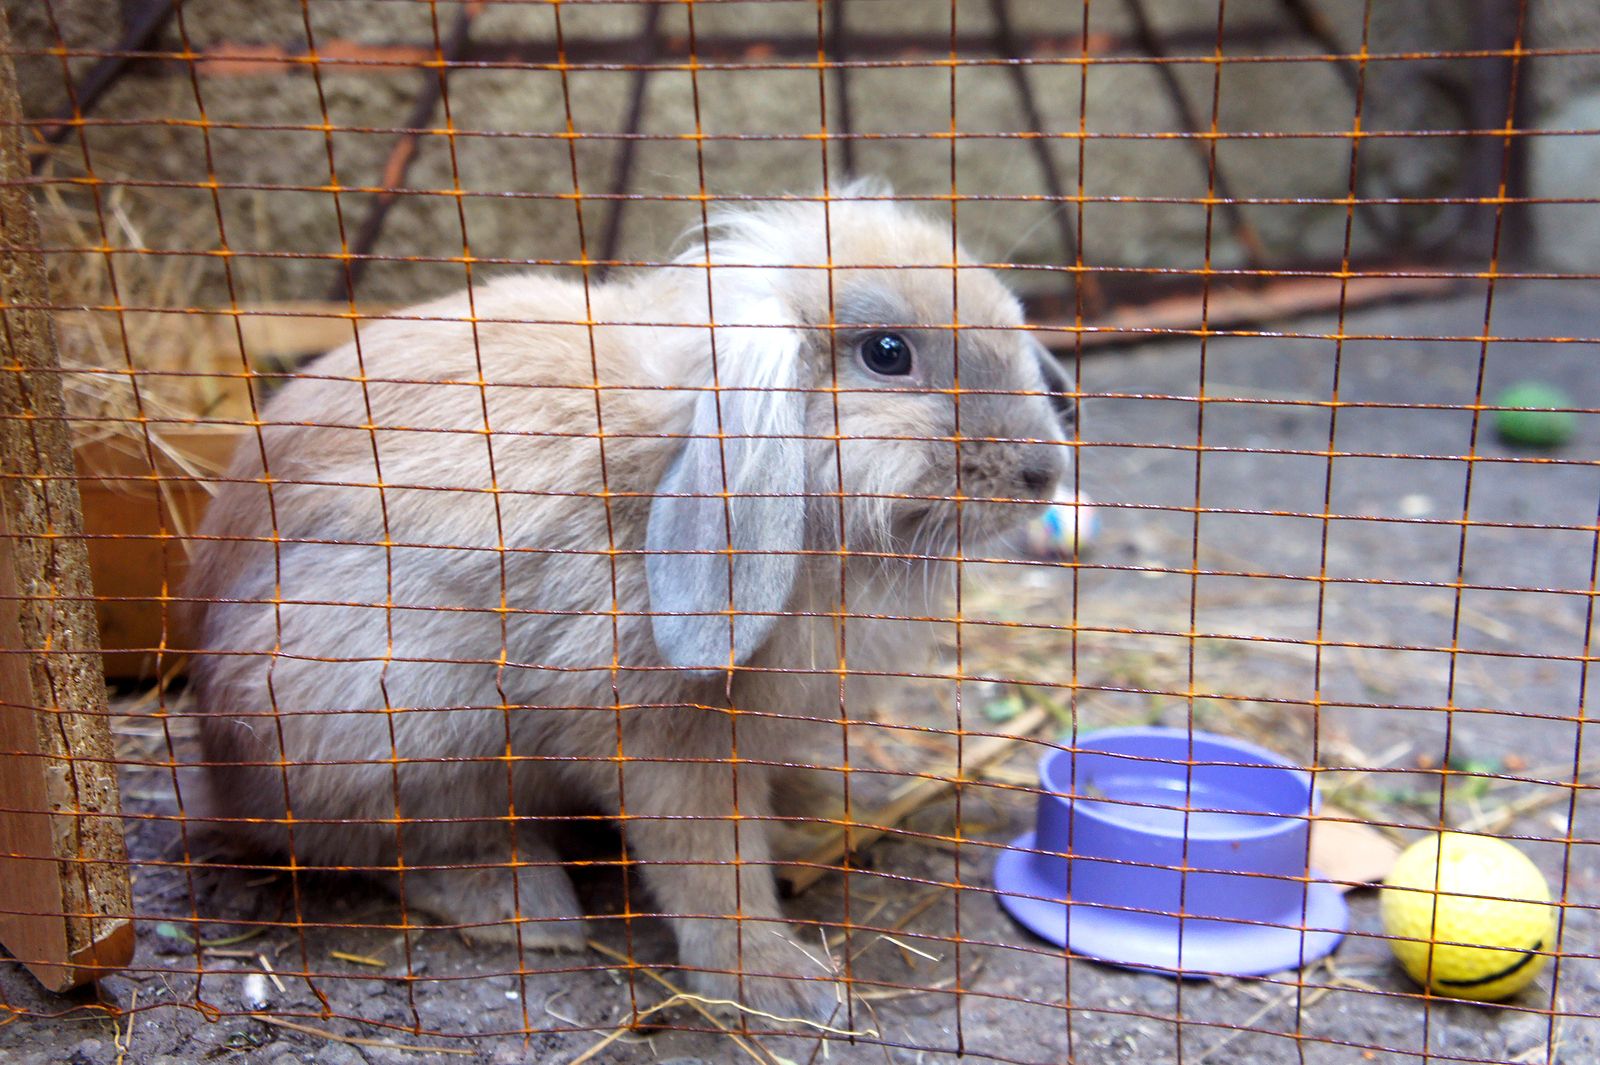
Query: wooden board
66	906
65	900
1235	306
137	519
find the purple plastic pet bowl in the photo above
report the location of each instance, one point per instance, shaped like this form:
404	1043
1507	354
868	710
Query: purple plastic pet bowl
1108	870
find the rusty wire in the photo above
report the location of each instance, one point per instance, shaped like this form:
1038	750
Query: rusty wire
1081	305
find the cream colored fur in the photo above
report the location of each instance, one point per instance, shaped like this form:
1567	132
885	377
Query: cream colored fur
497	655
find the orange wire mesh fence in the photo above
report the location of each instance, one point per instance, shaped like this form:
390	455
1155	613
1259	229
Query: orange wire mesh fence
774	529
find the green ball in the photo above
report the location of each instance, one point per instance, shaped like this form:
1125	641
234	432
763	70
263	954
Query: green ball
1530	419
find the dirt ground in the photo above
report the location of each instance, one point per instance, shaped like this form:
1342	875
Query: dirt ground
1004	995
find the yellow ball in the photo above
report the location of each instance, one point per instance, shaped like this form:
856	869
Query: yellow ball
1476	922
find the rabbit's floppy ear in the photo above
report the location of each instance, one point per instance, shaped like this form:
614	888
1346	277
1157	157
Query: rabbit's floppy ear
1058	383
741	472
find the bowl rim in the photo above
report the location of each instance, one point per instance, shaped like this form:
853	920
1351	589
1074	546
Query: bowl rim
1252	756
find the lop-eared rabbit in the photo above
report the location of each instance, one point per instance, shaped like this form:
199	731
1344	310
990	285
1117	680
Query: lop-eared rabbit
490	573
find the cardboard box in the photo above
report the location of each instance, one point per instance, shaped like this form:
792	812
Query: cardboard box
137	517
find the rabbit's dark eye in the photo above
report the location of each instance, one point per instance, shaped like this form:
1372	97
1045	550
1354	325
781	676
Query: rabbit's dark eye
887	353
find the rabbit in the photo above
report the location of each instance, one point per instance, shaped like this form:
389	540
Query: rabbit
494	583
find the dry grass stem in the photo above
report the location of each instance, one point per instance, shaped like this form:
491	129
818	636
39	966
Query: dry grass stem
360	1041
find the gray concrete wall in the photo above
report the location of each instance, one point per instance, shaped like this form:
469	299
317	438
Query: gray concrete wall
510	121
1564	158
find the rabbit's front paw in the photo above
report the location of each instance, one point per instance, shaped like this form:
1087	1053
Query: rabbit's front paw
773	974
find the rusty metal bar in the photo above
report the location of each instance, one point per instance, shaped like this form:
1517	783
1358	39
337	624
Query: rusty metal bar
837	49
1314	24
243	58
145	22
1005	41
1154	46
627	149
1496	23
403	154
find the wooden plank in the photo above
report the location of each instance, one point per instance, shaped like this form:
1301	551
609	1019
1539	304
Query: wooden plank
29	923
66	907
1230	306
137	521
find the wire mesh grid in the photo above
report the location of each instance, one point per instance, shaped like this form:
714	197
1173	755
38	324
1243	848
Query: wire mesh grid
595	607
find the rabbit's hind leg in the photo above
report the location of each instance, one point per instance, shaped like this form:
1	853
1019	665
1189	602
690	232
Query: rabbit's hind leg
492	900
